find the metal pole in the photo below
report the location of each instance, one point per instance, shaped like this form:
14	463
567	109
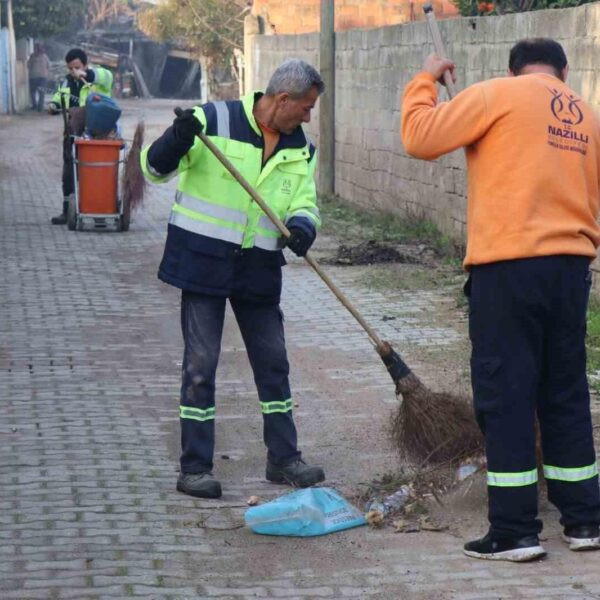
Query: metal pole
326	183
12	59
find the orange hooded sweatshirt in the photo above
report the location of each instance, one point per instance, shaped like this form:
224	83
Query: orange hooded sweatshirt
533	162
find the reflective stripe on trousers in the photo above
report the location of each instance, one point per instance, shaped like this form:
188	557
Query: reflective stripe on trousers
512	479
550	472
571	474
196	414
283	406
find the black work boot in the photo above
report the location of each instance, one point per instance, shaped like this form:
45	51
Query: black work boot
200	485
61	219
296	473
513	550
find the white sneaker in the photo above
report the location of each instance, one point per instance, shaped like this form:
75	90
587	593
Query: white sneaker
582	537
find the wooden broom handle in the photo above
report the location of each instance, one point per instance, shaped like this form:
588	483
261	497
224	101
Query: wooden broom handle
439	46
285	232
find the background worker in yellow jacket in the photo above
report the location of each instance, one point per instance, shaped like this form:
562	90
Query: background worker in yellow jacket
533	159
73	92
221	246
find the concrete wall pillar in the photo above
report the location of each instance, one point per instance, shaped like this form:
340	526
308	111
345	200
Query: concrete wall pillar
252	28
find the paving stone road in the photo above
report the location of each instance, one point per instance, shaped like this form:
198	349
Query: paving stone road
90	353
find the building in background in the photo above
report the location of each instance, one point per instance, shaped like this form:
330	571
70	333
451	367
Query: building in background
303	16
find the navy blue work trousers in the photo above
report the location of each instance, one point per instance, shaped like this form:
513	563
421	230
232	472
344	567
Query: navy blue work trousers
68	177
527	324
261	326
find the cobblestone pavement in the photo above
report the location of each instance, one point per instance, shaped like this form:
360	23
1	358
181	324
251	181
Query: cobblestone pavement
90	353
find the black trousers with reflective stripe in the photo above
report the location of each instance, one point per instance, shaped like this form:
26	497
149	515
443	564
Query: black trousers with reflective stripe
527	324
261	325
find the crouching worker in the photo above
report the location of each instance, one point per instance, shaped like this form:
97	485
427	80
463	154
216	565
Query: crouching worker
220	246
533	159
73	93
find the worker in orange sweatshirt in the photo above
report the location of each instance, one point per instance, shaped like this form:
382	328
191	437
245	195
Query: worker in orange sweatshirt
533	160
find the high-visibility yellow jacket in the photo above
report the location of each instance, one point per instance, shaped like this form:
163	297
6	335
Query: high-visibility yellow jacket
213	219
102	83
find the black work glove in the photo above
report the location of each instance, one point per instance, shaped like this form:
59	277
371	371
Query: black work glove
186	126
299	241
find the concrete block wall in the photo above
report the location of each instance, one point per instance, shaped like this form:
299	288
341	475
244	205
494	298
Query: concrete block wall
268	52
372	68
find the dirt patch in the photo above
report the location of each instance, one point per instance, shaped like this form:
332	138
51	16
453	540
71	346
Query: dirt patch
372	252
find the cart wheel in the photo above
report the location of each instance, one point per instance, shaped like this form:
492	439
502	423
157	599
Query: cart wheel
71	216
123	223
125	218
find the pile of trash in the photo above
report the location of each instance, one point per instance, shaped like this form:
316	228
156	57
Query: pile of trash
401	499
396	499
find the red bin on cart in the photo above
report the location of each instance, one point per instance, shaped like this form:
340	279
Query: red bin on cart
97	201
98	174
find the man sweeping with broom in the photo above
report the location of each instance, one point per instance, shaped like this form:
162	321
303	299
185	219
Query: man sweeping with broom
221	246
533	157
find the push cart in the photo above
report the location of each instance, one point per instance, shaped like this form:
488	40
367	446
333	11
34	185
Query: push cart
97	203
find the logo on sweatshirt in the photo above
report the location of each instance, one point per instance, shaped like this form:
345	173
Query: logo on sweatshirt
565	108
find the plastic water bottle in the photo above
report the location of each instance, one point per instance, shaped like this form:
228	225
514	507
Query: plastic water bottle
398	499
376	505
465	471
391	503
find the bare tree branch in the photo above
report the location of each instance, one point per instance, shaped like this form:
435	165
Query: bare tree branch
213	27
99	11
208	26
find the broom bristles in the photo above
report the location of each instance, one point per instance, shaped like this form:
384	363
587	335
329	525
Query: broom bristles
428	426
133	180
433	427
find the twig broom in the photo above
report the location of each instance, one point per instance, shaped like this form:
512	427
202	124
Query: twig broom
133	182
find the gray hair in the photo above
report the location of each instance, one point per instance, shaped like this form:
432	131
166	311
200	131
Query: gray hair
296	77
